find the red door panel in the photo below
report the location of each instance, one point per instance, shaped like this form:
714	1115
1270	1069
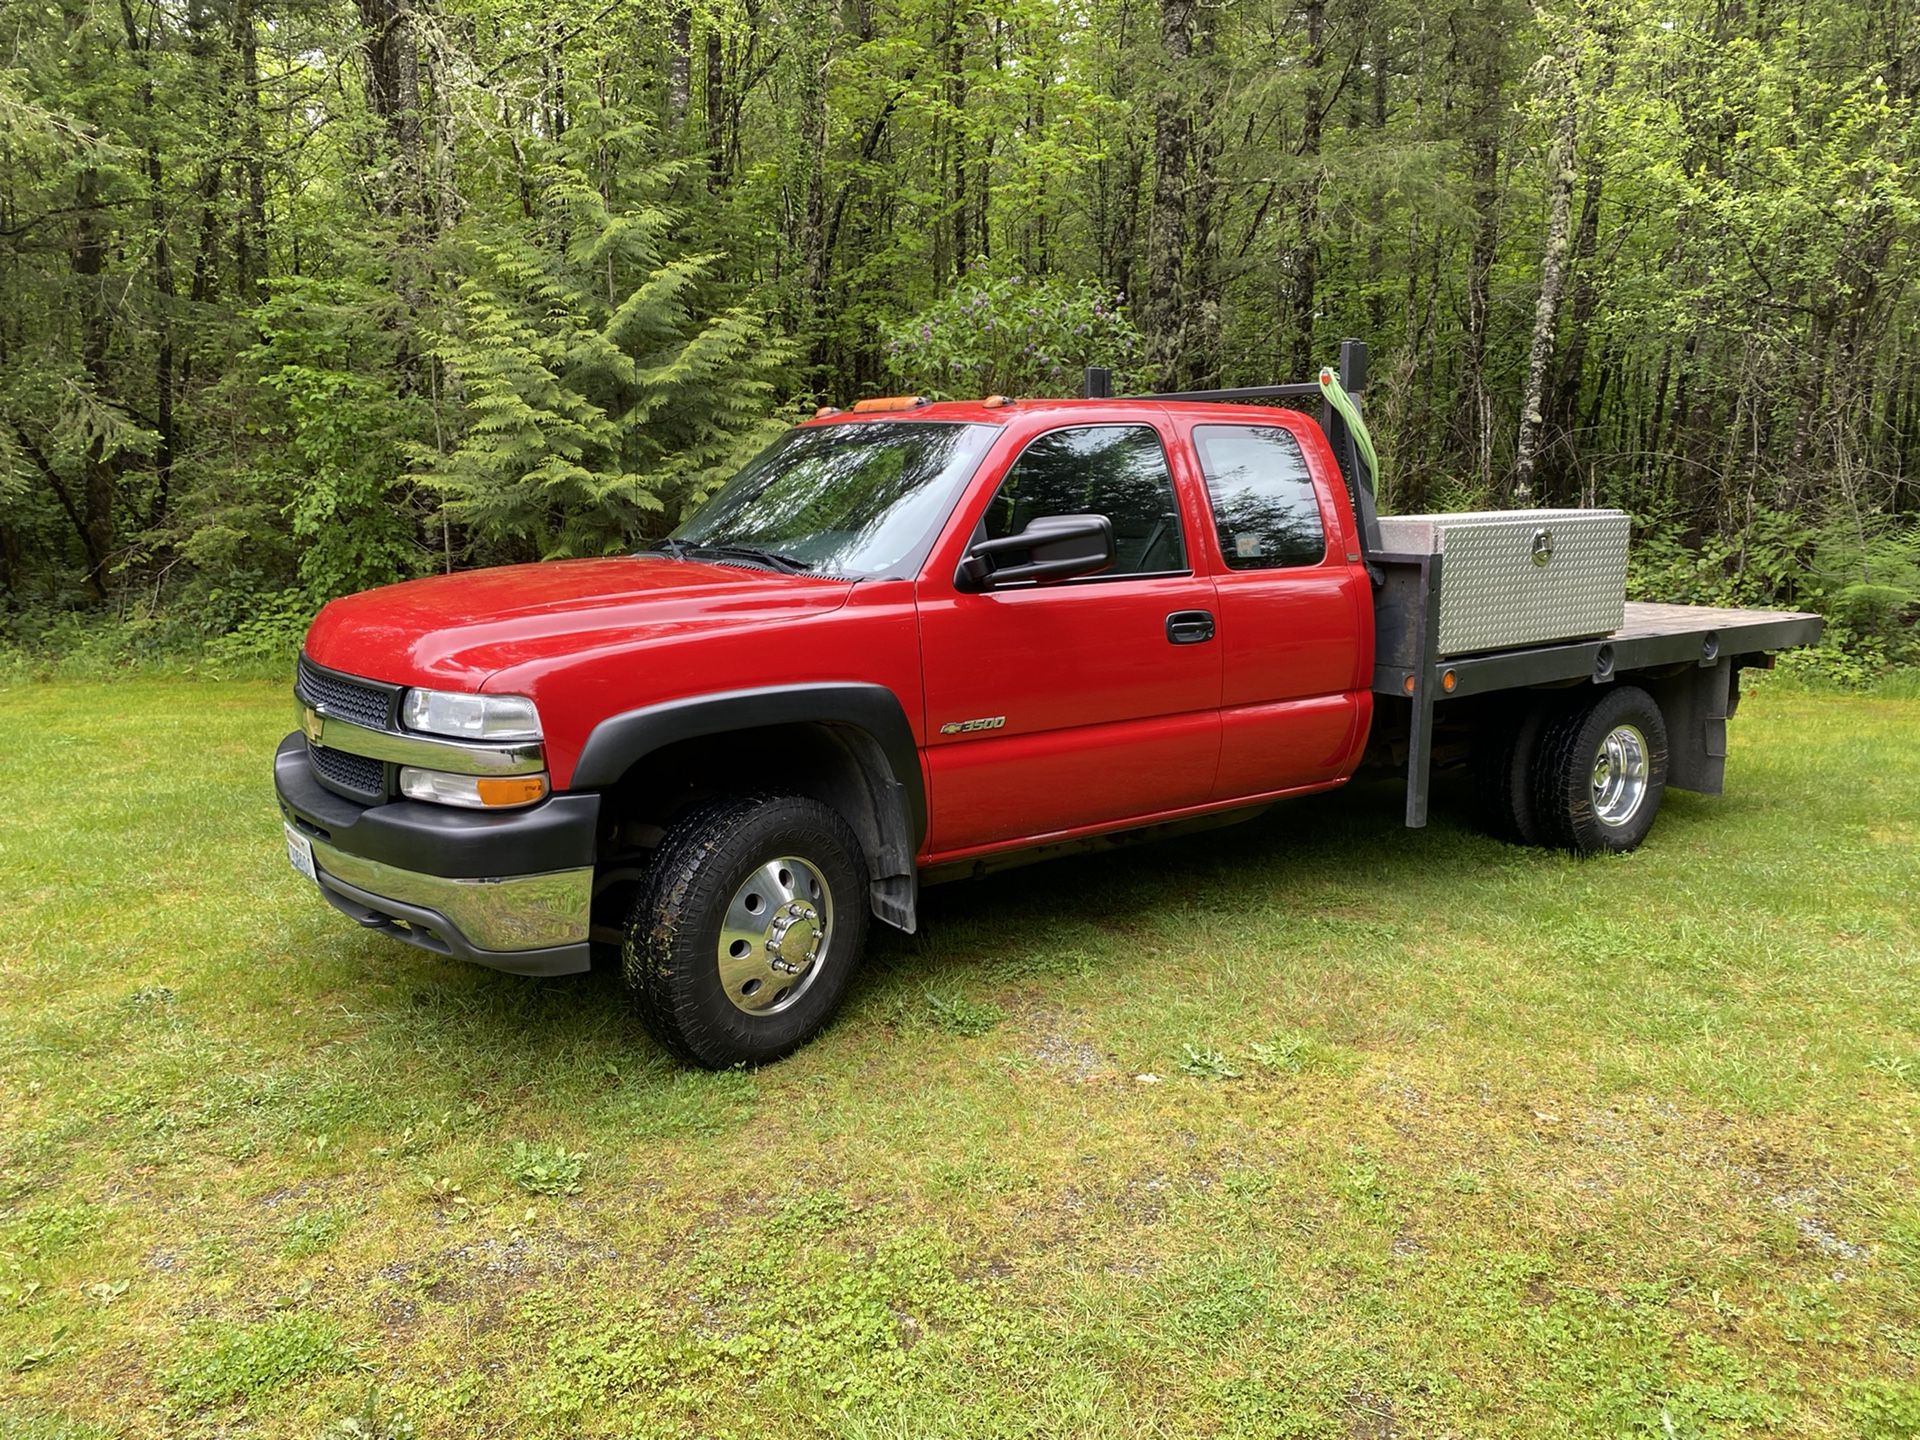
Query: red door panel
1294	623
1096	717
1291	711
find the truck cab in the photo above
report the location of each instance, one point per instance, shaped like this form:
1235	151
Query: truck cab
905	644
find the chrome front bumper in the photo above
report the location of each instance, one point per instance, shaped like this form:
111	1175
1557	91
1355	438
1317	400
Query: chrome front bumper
450	880
509	912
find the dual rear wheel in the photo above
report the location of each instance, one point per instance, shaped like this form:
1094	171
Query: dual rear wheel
1582	773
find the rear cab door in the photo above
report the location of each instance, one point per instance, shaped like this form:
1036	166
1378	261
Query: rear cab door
1068	707
1292	594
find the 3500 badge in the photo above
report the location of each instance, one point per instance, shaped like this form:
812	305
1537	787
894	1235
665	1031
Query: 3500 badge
969	727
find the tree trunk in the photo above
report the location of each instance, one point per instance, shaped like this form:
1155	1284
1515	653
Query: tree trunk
1553	274
1167	238
716	108
1483	147
679	64
250	238
1303	260
89	261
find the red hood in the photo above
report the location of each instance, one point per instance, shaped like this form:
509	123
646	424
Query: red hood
459	629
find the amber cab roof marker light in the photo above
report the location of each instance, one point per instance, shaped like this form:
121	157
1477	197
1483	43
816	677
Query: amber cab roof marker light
882	403
825	410
994	402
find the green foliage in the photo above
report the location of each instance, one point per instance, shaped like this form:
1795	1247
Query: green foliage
313	1232
328	362
962	1015
600	388
375	1419
545	1169
1206	1063
226	1363
1017	335
1861	573
1886	1410
266	325
268	637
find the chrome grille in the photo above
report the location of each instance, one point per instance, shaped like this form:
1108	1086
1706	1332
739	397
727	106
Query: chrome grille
357	775
368	705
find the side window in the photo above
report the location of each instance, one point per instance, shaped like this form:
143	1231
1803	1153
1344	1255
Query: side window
1263	499
1119	471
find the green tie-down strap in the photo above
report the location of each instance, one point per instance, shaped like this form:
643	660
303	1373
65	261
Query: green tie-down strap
1342	402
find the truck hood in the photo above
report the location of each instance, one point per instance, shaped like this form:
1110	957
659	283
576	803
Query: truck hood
456	630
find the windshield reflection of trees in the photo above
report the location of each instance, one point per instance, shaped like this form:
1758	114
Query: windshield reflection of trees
1262	494
839	497
1118	471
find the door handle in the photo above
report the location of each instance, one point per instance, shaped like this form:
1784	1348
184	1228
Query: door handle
1189	627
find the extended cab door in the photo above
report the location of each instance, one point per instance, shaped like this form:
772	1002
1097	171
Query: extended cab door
1065	706
1295	613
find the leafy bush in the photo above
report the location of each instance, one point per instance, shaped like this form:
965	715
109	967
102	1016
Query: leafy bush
1017	335
1862	573
269	638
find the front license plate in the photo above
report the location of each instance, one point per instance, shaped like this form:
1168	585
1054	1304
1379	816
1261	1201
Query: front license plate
300	853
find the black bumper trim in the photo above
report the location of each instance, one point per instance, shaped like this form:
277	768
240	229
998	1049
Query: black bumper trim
557	834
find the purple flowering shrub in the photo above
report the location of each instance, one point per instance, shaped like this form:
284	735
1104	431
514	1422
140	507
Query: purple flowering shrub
1017	335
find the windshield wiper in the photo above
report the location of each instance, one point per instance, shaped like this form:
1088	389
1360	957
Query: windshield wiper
772	559
678	549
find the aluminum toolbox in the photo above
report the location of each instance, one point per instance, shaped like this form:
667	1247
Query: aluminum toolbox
1519	577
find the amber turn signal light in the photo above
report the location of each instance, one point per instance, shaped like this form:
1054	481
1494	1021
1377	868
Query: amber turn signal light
511	789
471	792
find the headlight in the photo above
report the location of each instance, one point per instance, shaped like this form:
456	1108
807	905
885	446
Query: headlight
475	792
470	717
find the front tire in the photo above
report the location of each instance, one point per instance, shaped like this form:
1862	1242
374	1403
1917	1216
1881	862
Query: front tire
1601	773
742	941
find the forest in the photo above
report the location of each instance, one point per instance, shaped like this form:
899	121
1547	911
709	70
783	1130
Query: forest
302	296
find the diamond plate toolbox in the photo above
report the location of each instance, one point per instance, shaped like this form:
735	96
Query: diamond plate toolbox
1520	577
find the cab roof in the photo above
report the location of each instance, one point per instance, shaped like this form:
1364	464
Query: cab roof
999	411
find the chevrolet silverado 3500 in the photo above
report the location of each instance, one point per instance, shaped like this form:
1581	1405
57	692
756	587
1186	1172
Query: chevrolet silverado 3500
916	641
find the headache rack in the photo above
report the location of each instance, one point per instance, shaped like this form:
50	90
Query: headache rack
1305	396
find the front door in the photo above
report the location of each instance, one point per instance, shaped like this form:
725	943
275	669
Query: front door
1055	708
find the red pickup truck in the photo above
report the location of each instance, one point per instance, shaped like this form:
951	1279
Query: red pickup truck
918	640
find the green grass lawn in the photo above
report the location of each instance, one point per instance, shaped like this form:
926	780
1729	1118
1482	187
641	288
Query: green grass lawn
1309	1127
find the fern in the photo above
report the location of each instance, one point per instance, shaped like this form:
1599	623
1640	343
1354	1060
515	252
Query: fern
601	388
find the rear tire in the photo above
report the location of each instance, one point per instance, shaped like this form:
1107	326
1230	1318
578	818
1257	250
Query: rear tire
1601	773
1504	757
747	928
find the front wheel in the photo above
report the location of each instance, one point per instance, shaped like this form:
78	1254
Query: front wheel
744	936
1601	773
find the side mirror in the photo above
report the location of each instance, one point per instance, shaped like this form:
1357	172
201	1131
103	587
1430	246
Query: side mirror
1056	547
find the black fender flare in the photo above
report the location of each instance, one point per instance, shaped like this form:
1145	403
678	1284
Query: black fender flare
873	713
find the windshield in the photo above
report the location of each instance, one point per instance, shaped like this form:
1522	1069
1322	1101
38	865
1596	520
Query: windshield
858	499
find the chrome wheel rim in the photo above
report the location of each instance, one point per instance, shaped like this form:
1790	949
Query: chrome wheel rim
774	936
1620	775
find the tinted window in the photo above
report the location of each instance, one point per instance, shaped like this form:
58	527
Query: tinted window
1119	471
1263	498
